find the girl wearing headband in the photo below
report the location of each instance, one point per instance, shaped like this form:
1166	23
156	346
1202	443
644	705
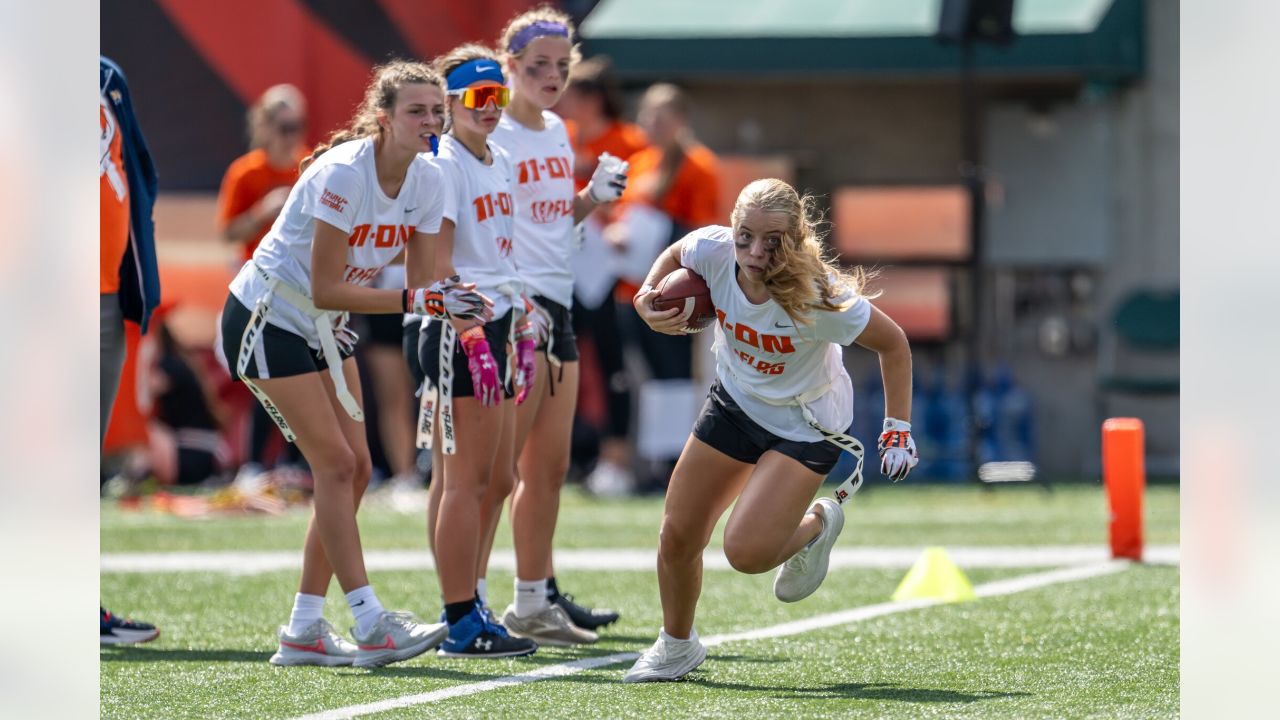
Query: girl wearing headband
466	410
772	426
362	198
539	54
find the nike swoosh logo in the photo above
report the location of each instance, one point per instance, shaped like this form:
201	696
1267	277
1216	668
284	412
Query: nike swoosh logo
388	645
780	325
358	604
317	647
409	210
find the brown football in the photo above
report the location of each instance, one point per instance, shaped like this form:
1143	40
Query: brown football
685	289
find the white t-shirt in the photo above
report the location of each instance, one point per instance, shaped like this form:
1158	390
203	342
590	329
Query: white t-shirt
765	350
481	205
543	163
340	188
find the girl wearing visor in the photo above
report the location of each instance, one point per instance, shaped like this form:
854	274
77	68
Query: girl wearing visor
466	402
362	197
538	55
771	428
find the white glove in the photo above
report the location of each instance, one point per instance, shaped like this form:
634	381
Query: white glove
446	298
897	449
609	179
344	336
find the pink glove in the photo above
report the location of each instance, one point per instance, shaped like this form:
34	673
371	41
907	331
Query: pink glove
526	368
484	369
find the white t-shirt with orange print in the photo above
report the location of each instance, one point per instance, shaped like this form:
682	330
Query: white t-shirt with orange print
760	351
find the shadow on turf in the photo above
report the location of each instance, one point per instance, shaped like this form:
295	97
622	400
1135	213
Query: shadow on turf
864	691
135	653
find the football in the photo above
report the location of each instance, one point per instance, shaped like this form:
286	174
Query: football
685	289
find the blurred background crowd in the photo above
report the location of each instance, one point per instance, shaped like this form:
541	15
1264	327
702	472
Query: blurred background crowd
1019	196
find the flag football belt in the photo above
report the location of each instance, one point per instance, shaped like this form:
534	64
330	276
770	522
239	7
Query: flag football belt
322	321
844	441
553	360
437	399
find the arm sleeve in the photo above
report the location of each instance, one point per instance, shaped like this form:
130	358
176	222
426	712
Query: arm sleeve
333	195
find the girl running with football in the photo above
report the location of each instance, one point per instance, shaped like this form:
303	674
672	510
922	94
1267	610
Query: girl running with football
467	402
774	420
538	52
362	197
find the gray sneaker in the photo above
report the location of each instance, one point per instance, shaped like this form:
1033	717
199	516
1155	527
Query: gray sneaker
319	644
804	572
397	636
667	659
551	626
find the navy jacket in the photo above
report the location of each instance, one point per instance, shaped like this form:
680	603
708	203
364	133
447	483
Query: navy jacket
139	274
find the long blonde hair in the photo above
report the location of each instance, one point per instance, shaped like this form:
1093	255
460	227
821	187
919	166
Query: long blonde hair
800	277
380	95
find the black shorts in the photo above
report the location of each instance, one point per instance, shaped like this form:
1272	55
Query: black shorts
283	353
727	428
495	331
409	334
564	342
384	329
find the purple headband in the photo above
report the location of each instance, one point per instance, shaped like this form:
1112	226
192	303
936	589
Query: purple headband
539	28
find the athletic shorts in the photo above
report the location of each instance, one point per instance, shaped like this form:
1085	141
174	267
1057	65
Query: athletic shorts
409	338
384	329
495	331
565	343
726	427
279	353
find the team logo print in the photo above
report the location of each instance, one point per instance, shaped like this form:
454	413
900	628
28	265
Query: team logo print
548	211
333	200
504	247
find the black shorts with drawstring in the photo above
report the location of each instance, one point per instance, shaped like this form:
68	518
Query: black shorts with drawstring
279	352
564	342
725	426
495	332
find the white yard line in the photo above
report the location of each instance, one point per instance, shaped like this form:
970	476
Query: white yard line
818	622
252	563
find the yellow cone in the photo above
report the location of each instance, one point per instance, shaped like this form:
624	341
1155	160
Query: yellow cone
934	577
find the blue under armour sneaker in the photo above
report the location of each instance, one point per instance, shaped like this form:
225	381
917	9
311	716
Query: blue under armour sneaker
475	636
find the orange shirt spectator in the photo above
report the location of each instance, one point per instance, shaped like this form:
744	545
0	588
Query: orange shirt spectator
114	217
257	183
619	139
250	180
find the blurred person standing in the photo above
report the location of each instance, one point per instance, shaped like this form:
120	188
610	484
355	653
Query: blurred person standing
539	54
676	179
253	191
129	286
592	109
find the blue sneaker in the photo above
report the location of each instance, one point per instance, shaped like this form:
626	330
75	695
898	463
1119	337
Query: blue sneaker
115	630
475	636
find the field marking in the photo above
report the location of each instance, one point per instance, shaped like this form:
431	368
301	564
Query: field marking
252	563
796	627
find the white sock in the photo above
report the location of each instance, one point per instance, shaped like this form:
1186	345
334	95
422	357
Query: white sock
531	597
306	610
365	607
482	591
693	635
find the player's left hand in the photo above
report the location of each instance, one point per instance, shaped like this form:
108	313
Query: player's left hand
526	367
897	449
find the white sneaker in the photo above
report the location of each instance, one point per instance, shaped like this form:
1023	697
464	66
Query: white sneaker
804	572
319	644
397	636
549	626
667	659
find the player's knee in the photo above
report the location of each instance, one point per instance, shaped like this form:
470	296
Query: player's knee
678	545
747	557
338	464
362	471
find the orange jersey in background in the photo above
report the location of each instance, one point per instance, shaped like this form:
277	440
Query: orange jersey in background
249	178
620	140
114	233
692	201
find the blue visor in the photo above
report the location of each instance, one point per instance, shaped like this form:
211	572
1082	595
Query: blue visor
474	71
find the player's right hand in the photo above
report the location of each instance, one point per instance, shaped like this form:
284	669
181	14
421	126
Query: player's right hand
667	322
